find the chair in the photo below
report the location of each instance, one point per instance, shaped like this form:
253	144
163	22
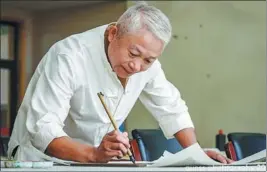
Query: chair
152	143
242	145
230	151
135	150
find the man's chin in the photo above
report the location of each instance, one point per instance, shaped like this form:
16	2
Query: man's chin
124	76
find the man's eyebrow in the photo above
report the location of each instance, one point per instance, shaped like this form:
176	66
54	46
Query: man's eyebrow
151	57
133	47
136	48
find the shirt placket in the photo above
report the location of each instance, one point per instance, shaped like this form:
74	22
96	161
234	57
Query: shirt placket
123	93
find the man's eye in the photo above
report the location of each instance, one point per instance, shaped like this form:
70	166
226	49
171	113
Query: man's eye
134	55
149	61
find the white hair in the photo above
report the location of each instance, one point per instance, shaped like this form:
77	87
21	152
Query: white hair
140	16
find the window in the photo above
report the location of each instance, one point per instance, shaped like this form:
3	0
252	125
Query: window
9	75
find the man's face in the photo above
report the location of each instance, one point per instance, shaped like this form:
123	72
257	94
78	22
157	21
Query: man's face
132	53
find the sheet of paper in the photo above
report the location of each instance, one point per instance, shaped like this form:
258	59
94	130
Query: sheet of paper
260	156
195	156
192	155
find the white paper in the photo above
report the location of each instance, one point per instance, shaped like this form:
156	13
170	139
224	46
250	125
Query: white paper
194	156
255	157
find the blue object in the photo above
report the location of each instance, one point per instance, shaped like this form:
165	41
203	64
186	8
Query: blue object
122	127
152	143
246	144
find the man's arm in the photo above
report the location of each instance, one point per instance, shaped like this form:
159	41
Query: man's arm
50	100
113	144
68	149
186	137
164	102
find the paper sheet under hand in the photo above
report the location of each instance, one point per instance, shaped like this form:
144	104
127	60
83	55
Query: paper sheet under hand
192	155
195	156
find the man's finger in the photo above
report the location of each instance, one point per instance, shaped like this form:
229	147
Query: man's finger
114	132
221	158
117	146
119	138
114	153
229	160
216	156
125	134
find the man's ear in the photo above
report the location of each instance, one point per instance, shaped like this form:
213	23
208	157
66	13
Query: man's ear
113	30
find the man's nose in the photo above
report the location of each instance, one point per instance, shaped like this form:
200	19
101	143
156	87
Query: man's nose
135	65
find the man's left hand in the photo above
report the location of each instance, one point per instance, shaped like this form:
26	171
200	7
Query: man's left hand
218	157
187	137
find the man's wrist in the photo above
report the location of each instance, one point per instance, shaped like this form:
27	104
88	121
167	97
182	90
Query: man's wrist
186	137
91	154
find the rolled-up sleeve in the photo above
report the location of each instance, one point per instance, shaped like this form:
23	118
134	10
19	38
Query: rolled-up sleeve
50	101
164	102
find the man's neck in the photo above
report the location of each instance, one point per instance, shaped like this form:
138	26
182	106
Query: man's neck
106	44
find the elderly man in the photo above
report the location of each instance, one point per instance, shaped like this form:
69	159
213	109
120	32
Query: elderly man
61	115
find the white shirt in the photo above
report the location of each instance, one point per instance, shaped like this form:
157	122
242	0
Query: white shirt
61	98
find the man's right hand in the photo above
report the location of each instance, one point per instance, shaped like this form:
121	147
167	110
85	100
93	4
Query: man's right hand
113	144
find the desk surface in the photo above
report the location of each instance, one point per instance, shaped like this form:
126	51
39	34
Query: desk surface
79	168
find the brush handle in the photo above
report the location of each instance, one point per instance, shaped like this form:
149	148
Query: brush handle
101	95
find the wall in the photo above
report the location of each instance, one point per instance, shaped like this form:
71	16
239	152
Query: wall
52	26
217	61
